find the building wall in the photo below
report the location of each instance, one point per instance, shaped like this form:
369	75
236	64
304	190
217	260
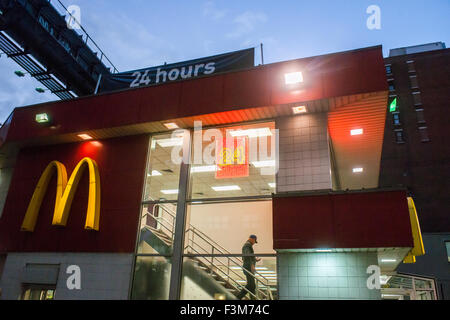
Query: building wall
421	166
304	158
103	276
325	276
433	264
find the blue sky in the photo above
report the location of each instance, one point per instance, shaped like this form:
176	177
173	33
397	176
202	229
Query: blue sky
142	33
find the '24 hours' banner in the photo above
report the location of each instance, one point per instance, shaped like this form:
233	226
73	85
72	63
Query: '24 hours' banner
178	71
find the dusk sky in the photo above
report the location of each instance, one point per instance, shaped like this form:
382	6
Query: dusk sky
141	33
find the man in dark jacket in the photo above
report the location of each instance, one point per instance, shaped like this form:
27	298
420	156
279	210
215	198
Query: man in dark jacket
249	266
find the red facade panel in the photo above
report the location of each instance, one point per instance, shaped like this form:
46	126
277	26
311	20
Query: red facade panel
351	220
121	163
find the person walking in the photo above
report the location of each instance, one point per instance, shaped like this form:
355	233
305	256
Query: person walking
249	267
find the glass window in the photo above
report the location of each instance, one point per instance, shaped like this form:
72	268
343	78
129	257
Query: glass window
411	66
163	170
413	81
157	229
447	246
151	278
424	134
391	85
388	69
38	292
399	136
417	98
236	161
396	119
222	278
420	116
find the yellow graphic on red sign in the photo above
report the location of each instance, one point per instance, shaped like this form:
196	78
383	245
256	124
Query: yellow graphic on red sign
65	192
232	158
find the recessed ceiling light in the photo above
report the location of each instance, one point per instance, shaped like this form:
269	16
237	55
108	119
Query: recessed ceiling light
252	133
358	170
262	164
323	250
356	132
204	169
272	184
226	188
171	142
299	109
85	136
293	77
171	125
388	260
170	191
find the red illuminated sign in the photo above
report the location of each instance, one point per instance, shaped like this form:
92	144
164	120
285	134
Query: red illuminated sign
232	158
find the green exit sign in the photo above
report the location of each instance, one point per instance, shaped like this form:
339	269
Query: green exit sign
42	118
393	106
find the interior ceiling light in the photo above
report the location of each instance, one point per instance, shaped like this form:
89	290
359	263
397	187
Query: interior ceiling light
252	133
205	169
85	136
358	170
388	260
299	109
262	164
356	132
272	184
171	126
323	250
155	173
293	77
171	142
226	188
170	191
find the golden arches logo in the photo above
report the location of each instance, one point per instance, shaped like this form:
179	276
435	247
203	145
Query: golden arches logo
65	192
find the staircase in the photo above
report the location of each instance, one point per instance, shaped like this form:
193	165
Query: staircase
217	274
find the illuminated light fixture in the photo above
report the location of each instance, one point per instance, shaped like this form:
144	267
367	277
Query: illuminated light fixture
171	126
324	250
42	118
358	170
204	169
96	144
252	133
226	188
196	202
85	136
171	142
267	271
299	109
393	106
262	164
293	77
170	191
155	173
388	260
236	268
272	184
261	268
356	132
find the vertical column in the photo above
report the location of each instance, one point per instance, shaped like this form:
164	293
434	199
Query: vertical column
304	159
180	220
326	276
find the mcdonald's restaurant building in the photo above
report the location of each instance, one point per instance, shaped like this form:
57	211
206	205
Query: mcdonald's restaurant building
139	193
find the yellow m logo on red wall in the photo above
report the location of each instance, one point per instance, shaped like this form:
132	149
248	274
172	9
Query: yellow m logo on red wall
65	192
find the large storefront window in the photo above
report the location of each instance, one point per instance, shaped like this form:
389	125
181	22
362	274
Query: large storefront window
231	177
